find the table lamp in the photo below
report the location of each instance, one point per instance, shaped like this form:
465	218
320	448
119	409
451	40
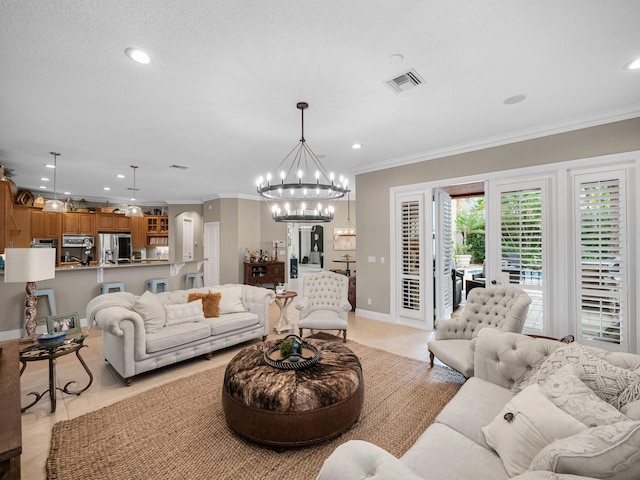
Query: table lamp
29	265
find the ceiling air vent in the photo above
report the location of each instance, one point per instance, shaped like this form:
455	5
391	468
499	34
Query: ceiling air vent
406	81
181	167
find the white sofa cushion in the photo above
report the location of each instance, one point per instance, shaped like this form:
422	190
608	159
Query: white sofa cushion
487	400
230	299
608	451
177	335
527	424
231	322
184	313
151	310
565	389
632	410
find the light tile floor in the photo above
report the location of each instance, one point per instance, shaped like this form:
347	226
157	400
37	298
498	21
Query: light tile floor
107	388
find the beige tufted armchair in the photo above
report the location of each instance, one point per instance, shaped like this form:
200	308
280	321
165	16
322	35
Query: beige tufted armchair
324	303
502	308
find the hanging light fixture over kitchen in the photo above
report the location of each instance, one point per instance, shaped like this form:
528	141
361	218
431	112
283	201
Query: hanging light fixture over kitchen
133	210
54	205
348	230
306	191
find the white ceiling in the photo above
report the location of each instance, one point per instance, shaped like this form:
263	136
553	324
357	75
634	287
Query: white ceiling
219	95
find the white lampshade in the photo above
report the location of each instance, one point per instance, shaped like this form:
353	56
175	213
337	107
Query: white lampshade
29	264
134	211
53	206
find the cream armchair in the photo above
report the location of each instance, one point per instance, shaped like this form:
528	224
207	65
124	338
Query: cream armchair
502	308
324	303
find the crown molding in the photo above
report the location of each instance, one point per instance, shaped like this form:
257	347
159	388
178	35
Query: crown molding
576	123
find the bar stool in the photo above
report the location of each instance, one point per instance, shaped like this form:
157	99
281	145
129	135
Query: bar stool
117	286
154	283
51	297
195	279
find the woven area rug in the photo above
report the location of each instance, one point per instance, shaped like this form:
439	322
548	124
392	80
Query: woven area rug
178	430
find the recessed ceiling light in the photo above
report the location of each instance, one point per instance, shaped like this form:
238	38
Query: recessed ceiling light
42	187
635	65
49	165
514	99
138	55
67	193
107	188
395	58
356	146
44	179
120	175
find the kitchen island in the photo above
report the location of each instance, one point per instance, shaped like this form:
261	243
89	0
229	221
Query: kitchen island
75	285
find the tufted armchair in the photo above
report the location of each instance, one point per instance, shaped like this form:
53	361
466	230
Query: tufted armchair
502	308
324	303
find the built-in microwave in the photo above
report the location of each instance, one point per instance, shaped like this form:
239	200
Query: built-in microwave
77	241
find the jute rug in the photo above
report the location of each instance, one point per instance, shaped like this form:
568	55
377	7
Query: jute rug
178	430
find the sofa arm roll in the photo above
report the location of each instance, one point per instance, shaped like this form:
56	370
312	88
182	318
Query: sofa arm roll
109	319
359	460
449	329
303	305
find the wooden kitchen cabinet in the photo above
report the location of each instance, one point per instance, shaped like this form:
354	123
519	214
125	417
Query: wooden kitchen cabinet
45	224
138	232
78	223
113	222
9	227
157	230
22	217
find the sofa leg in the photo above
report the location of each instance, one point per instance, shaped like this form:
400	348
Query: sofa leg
264	337
300	332
431	357
128	381
209	356
344	336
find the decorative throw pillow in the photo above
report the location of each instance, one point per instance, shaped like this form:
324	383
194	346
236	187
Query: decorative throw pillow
184	312
571	395
231	299
151	310
210	303
616	386
608	451
528	423
572	353
632	410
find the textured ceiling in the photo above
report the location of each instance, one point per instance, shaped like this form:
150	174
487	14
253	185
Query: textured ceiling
219	95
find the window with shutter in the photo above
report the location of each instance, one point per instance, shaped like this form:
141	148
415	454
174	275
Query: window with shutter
411	256
522	247
601	258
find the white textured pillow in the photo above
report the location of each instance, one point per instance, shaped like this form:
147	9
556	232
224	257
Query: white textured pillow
528	423
184	312
616	386
230	299
608	451
151	310
571	395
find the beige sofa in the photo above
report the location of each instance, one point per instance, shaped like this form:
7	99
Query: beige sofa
142	333
519	425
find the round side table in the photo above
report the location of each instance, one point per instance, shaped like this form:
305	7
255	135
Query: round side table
283	300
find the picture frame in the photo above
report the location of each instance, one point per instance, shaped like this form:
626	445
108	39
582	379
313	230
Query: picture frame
69	323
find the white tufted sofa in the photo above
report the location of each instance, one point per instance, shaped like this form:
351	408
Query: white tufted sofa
454	446
324	304
502	308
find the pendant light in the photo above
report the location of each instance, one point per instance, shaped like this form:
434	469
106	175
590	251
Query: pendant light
54	205
348	230
133	210
306	191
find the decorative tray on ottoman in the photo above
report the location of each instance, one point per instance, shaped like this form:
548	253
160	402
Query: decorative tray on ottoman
303	354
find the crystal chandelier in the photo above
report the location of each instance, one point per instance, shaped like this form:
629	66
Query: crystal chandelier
306	191
133	210
54	205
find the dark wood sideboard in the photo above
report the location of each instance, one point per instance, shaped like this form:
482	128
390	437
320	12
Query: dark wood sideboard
263	273
11	431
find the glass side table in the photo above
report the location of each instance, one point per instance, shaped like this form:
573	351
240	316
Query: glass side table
34	352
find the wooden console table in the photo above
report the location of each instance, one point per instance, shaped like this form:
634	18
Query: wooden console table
11	431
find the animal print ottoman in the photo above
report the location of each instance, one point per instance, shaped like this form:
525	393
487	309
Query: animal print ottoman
293	407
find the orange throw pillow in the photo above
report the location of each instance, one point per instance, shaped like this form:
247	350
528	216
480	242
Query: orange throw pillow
210	303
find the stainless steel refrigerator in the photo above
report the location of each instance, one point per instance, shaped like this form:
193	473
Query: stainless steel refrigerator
114	247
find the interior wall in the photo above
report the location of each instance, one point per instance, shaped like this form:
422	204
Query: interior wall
373	189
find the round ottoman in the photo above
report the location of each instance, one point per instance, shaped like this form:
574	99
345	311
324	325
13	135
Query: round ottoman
293	407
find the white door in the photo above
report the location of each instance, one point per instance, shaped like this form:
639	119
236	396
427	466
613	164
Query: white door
212	253
187	238
517	212
443	262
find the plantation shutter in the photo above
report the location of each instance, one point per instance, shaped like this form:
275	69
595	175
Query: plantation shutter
522	234
411	261
601	258
444	255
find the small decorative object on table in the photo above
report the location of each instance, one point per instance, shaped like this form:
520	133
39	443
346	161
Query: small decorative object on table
68	323
52	339
292	353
